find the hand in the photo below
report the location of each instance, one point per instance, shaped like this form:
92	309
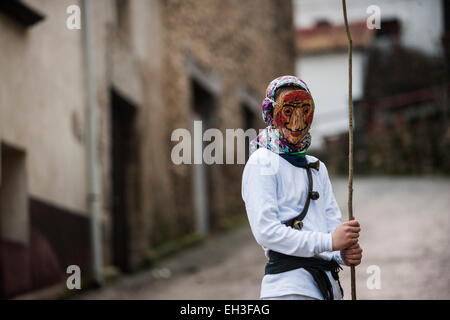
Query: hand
345	235
352	256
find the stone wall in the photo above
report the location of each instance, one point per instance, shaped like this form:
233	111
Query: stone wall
237	46
155	58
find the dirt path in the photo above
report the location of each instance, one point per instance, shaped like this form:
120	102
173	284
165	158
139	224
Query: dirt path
405	234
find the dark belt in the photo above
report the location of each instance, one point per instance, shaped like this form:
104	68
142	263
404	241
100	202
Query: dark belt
279	263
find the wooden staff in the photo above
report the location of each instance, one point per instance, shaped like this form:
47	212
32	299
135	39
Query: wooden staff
350	138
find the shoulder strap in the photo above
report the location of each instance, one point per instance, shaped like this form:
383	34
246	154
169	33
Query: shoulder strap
297	221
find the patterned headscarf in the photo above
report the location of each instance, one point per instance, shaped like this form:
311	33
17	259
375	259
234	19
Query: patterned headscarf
270	138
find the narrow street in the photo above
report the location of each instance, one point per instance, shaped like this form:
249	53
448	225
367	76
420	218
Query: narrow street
405	234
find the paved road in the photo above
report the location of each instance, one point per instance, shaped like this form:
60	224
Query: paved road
405	236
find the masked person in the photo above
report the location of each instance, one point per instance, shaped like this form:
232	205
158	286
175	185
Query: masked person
290	204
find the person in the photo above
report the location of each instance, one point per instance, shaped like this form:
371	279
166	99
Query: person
290	204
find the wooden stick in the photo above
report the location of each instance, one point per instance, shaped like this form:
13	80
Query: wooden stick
350	138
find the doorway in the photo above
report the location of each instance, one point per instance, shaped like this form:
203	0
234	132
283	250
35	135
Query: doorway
203	106
123	114
14	222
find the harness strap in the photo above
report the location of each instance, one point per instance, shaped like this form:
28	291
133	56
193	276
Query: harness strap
302	214
296	222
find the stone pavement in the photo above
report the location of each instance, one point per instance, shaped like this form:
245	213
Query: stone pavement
405	224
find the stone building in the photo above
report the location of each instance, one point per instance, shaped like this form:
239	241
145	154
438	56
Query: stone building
401	119
87	116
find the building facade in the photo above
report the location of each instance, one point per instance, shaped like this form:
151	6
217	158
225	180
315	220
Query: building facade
146	68
322	44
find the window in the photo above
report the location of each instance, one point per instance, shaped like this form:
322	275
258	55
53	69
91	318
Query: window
21	13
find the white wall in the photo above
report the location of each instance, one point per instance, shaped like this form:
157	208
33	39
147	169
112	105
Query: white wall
41	93
327	77
421	20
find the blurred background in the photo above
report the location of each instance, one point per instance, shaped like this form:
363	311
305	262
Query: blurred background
91	92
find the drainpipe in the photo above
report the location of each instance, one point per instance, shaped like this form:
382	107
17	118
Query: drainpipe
93	196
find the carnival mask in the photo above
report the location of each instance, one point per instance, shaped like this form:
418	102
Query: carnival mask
293	115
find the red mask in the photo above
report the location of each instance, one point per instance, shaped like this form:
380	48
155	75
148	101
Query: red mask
293	115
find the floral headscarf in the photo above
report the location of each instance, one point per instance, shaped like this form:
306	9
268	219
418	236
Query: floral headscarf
270	138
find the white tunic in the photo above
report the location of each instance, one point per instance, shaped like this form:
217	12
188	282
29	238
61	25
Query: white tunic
275	191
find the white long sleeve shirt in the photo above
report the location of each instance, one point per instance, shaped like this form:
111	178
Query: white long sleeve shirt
275	191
